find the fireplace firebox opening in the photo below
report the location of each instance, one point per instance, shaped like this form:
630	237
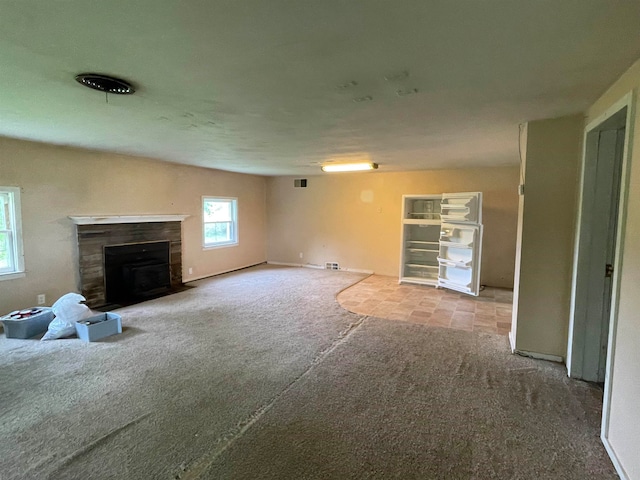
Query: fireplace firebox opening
135	272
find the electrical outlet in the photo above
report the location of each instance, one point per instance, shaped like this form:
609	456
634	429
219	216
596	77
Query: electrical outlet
190	270
301	255
41	299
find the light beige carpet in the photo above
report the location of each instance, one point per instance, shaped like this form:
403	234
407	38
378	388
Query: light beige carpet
260	374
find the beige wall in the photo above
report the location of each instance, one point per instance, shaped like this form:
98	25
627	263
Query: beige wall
624	426
354	219
56	182
543	282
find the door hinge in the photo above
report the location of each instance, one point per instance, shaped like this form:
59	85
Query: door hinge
608	271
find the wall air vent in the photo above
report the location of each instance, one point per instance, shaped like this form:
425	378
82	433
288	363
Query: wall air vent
332	266
300	182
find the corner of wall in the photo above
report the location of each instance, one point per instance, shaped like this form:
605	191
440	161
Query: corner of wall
545	236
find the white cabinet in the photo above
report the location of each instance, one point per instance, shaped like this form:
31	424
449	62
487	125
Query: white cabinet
442	240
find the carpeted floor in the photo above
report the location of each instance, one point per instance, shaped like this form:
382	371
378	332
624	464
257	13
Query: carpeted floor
261	374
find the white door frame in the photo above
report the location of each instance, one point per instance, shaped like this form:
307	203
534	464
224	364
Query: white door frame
628	102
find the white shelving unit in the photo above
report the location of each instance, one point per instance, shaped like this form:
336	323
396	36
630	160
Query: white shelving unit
420	239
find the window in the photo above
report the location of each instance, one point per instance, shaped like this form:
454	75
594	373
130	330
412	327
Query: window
11	256
220	221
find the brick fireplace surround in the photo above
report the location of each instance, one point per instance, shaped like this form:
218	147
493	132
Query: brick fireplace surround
95	233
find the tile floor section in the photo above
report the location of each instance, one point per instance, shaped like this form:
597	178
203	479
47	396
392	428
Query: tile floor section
381	296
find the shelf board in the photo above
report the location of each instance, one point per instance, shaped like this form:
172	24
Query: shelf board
421	280
454	206
108	219
414	221
457	218
420	265
422	242
456	244
455	286
451	263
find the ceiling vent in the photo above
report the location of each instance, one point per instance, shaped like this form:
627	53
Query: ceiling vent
105	83
300	182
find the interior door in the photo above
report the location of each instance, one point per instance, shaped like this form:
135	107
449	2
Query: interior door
459	257
613	141
596	257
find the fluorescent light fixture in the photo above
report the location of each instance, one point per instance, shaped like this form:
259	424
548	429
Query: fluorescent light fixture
349	167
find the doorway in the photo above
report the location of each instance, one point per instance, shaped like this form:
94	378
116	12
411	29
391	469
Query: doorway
597	248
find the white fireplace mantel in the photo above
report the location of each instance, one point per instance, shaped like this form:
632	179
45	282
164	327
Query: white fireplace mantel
105	219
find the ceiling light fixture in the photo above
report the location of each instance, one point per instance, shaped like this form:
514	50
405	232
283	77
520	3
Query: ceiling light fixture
349	167
105	83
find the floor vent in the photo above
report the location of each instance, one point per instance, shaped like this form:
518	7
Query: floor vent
332	266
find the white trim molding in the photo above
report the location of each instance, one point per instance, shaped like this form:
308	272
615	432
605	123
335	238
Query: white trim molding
320	267
301	265
16	244
106	219
12	276
222	272
629	100
614	458
540	356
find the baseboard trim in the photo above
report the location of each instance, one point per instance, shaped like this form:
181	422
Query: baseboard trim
614	458
539	356
525	353
286	264
319	267
209	275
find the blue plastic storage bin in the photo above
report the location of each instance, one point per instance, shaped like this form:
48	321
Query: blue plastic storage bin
28	327
99	326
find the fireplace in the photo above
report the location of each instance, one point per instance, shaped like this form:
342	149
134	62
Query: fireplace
136	271
125	259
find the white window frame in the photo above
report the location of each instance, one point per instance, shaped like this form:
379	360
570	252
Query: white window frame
233	201
15	235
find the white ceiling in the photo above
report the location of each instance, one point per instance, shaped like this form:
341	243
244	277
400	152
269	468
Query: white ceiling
255	85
